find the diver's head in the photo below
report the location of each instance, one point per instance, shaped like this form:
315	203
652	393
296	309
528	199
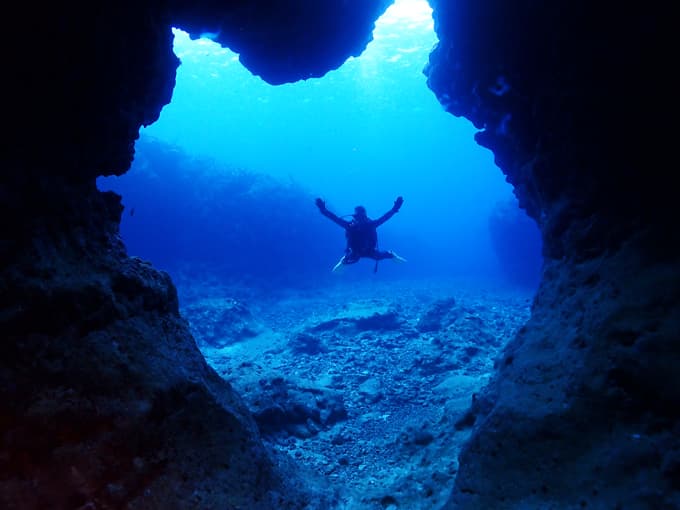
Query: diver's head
359	212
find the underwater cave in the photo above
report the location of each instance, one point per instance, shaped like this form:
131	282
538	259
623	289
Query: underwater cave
357	373
124	385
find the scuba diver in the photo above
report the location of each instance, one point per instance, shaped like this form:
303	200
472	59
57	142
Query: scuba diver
362	238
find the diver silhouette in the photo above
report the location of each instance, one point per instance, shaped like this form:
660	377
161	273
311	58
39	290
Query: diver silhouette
361	234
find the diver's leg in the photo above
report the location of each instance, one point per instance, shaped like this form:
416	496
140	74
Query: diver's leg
381	255
345	260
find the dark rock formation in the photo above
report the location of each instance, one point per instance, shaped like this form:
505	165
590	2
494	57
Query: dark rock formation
304	343
105	400
571	99
362	320
284	409
284	41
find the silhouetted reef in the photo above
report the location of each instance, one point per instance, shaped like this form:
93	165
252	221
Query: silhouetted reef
194	215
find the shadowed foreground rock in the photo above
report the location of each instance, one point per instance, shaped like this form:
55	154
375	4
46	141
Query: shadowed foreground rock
104	398
583	410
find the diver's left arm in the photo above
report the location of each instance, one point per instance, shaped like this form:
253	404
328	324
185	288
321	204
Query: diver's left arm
390	213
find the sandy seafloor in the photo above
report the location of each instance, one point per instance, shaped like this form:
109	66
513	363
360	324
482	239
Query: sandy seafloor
362	383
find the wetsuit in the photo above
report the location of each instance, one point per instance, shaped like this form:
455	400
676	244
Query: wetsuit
361	234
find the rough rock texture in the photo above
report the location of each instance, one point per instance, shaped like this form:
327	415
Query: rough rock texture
381	412
281	40
231	322
583	411
106	401
571	98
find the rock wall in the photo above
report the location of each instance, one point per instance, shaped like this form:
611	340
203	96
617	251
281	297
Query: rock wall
583	409
105	400
283	41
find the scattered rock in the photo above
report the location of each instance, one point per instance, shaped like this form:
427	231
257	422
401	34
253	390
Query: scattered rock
372	393
219	322
304	343
441	313
363	318
370	389
284	409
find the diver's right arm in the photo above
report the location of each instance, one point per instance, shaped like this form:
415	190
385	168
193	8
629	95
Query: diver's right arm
336	219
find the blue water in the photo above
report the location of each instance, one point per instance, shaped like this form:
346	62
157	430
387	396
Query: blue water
225	180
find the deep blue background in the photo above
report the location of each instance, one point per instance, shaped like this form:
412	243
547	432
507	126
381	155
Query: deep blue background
225	181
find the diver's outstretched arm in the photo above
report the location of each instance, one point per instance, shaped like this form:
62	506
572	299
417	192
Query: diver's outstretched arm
390	213
334	218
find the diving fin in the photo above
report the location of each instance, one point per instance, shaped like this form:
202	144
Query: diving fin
397	258
340	265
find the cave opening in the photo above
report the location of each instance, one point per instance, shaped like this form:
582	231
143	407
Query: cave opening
363	134
359	375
